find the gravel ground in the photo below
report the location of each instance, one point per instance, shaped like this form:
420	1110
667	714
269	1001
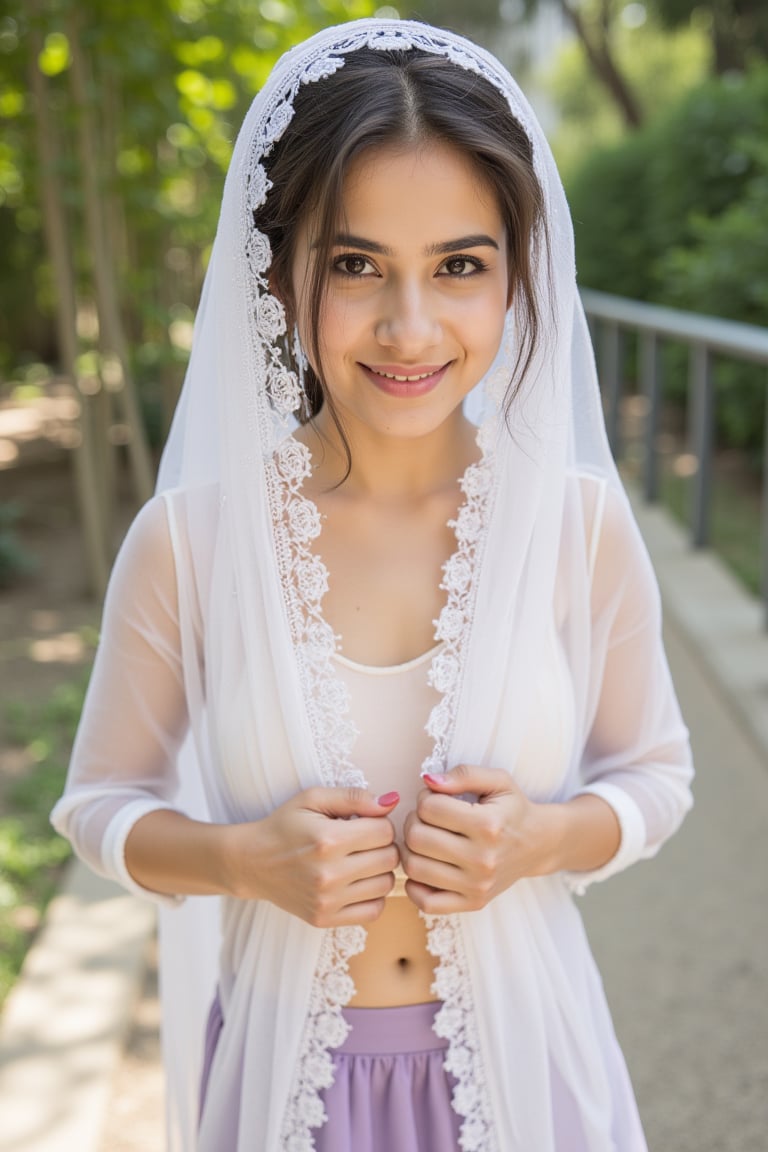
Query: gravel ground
135	1119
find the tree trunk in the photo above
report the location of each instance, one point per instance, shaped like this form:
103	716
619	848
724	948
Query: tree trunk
117	376
739	32
598	50
87	480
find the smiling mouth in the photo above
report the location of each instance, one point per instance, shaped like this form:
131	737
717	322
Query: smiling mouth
404	379
410	378
392	380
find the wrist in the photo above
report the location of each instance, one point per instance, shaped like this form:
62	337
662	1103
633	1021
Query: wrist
227	859
242	859
587	834
555	829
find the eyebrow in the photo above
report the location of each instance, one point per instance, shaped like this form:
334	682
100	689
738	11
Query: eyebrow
476	240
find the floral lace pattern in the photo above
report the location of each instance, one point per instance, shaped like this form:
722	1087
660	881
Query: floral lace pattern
326	1028
455	1022
304	577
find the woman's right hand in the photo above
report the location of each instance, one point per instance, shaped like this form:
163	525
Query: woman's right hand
326	855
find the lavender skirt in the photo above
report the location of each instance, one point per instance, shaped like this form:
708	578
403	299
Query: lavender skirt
390	1089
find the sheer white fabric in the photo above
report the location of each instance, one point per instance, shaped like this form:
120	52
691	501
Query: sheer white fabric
213	630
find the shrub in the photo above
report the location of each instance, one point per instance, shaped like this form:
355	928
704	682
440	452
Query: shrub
677	214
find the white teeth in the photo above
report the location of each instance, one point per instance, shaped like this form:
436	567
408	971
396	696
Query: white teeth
404	379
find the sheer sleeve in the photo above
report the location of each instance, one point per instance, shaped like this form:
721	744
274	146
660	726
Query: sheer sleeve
135	712
637	753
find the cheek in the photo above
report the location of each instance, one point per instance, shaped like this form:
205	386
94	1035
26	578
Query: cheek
340	325
483	322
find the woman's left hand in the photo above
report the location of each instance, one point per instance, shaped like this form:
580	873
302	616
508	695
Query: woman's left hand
459	855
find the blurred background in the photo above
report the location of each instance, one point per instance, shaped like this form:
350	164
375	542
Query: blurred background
116	127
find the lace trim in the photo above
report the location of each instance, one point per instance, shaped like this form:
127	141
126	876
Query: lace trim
456	1023
454	623
296	522
325	1028
304	578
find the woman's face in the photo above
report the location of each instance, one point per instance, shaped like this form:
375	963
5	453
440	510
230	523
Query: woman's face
417	291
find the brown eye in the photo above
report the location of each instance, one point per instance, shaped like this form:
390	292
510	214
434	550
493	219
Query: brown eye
460	266
352	265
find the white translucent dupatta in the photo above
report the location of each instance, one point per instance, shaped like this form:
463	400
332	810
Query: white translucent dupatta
525	555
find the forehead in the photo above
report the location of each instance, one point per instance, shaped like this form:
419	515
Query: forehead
429	184
424	166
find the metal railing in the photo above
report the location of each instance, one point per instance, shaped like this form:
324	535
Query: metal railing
610	318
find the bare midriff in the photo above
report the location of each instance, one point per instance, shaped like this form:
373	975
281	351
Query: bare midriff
395	968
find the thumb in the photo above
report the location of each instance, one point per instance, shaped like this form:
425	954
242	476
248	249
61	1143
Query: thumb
346	802
468	778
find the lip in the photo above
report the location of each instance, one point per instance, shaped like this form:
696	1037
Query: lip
432	375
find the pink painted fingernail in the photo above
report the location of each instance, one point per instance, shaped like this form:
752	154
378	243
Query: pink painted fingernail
388	799
432	779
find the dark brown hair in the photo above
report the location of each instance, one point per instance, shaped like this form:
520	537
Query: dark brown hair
402	98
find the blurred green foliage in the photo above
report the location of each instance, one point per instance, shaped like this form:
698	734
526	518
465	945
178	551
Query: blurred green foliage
739	28
658	65
677	214
31	853
170	83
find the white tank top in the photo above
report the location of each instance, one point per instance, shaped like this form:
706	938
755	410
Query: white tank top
391	705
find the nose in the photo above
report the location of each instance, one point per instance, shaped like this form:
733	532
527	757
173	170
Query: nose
408	321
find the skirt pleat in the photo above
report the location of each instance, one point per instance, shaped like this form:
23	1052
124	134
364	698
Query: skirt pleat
390	1090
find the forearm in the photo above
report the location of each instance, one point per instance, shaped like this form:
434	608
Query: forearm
585	834
167	852
307	856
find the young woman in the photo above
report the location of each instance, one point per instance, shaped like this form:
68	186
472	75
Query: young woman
394	590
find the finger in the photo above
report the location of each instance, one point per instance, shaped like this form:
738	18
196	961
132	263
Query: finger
434	901
333	891
434	873
364	834
335	838
346	802
435	843
370	888
362	913
470	778
360	865
449	812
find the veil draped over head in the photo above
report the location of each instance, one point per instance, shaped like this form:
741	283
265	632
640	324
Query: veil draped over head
269	714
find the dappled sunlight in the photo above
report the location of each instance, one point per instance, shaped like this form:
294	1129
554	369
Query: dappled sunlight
685	465
63	648
180	333
52	418
21	423
9	453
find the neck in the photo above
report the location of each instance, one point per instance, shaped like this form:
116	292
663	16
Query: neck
386	467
